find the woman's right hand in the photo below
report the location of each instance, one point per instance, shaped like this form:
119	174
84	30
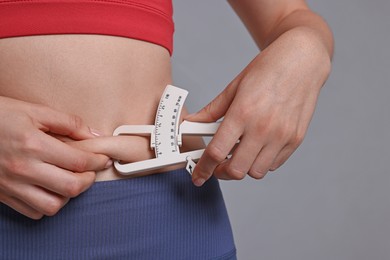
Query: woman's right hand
38	172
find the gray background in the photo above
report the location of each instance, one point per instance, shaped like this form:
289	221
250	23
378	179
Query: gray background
331	199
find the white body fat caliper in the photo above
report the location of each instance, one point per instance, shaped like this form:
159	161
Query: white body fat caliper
166	135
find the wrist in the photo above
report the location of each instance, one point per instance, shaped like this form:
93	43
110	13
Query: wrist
303	48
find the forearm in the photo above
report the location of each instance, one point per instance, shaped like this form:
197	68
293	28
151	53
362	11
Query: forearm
295	18
281	86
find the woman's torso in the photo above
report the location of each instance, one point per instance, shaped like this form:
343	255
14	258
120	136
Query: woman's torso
107	81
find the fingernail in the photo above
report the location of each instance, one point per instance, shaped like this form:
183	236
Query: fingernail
108	164
95	132
199	182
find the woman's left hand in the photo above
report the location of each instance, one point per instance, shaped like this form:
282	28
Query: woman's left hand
268	107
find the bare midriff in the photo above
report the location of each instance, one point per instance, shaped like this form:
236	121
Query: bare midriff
107	81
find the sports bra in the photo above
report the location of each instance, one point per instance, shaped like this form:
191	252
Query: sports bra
148	20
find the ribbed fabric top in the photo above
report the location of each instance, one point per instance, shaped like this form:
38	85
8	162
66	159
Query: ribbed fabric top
148	20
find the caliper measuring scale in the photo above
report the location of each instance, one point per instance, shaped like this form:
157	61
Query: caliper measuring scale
166	135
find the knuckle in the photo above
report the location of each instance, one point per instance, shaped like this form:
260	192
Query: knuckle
293	135
283	134
257	174
298	139
80	164
245	111
30	143
235	173
73	188
284	130
261	127
275	166
16	167
76	122
215	153
52	206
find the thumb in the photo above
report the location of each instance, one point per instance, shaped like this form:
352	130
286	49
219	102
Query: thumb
216	108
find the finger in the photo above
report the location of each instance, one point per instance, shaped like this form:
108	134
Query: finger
216	151
118	147
216	108
264	160
62	123
220	170
20	207
39	199
282	157
237	167
62	182
62	155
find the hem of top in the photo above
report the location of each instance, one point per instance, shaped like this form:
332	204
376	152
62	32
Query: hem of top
112	17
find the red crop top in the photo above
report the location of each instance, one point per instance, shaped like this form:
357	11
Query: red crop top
148	20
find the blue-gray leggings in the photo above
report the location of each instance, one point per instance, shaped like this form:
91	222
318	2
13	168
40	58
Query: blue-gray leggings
162	216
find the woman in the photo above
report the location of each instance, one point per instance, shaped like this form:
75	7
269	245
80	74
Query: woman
64	72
